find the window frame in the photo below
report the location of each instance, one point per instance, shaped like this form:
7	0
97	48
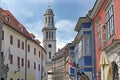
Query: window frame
11	39
18	60
28	64
22	61
50	55
34	51
22	45
39	67
18	43
87	44
110	27
99	33
39	53
28	48
34	65
11	58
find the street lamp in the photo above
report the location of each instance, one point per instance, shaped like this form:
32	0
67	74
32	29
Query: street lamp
77	69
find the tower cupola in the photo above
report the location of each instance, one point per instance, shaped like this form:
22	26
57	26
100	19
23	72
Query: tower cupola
49	18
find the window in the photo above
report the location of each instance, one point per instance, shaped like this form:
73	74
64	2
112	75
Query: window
28	48
49	45
22	45
48	19
87	45
34	65
2	35
99	34
11	39
52	35
49	35
22	62
45	19
80	48
39	67
7	19
34	51
52	20
49	55
28	64
18	43
2	55
11	59
46	35
39	53
110	22
18	60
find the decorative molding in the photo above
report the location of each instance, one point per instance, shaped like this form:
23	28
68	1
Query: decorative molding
108	4
96	8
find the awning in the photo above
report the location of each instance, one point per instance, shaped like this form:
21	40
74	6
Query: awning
105	66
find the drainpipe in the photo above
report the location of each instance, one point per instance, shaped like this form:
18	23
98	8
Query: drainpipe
26	59
0	36
1	61
94	55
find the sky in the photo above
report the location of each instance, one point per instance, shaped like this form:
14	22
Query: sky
30	13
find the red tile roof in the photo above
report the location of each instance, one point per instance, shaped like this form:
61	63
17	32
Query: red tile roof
10	20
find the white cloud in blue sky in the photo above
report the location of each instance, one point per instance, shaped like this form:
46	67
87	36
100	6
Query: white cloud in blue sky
30	14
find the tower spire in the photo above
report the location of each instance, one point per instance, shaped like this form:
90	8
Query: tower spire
49	5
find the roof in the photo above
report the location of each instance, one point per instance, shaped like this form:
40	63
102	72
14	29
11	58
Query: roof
80	22
48	11
12	22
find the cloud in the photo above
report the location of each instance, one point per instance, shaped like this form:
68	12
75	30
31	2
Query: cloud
30	14
36	29
65	32
61	42
65	25
40	1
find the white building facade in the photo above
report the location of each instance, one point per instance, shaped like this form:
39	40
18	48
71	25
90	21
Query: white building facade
20	50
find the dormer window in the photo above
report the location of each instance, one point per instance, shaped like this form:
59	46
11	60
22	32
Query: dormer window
7	18
22	29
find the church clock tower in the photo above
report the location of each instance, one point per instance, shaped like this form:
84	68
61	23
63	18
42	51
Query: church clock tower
49	34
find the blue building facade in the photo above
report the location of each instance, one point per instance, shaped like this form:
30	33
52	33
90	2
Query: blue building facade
83	47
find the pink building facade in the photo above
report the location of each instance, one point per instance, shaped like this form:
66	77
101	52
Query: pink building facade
105	15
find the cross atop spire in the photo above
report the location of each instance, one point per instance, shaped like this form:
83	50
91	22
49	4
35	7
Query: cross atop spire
48	5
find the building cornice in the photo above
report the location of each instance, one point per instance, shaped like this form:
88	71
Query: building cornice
114	44
80	22
96	8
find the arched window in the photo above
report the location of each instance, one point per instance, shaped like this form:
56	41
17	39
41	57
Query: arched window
49	55
49	20
52	20
45	20
52	35
115	70
46	35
